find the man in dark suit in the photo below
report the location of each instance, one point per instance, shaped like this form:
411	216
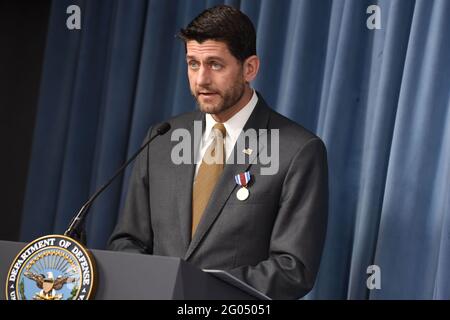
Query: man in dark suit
221	207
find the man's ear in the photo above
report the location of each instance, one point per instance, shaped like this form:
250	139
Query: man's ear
251	67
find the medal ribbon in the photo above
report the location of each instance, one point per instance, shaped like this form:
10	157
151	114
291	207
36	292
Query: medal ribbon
242	179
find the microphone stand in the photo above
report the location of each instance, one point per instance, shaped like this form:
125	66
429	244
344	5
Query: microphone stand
76	227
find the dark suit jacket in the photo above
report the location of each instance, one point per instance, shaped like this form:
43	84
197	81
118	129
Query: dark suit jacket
273	240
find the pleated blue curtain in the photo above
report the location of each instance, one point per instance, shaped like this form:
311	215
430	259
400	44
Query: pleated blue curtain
380	100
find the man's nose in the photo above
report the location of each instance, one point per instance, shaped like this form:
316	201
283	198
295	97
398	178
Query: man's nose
203	76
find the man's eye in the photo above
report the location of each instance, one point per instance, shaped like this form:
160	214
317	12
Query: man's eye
216	66
193	65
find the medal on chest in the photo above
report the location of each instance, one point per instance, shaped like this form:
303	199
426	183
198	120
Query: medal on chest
242	179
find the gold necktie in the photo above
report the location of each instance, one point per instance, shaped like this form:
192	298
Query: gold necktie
208	174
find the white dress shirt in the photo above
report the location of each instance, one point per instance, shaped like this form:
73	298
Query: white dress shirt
234	127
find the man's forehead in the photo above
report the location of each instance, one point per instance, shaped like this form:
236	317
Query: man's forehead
206	48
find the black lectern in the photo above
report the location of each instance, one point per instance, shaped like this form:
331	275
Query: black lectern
135	276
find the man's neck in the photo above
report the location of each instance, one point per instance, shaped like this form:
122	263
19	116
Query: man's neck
230	112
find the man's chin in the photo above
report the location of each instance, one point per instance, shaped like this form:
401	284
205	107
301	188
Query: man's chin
208	108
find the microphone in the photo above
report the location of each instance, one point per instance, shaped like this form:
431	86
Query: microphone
76	227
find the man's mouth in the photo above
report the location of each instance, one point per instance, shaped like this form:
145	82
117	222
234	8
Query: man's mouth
206	93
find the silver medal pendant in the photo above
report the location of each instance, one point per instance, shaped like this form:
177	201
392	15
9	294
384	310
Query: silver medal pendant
242	194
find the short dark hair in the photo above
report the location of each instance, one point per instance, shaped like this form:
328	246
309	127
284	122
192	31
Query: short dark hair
226	24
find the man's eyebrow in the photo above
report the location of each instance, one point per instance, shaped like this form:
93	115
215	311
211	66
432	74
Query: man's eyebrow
215	58
207	59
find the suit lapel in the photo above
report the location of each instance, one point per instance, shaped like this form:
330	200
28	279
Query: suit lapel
226	185
183	178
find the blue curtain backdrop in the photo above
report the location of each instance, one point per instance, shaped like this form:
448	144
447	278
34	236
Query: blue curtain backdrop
379	98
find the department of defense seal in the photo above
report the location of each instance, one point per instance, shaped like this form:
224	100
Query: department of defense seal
53	267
